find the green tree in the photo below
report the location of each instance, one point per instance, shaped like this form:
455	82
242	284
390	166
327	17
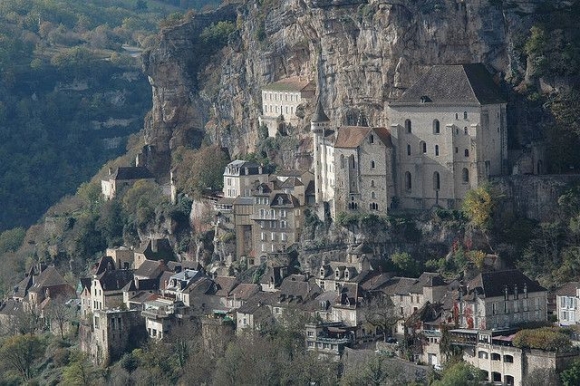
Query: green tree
11	239
405	263
81	372
479	205
460	374
197	171
21	352
571	376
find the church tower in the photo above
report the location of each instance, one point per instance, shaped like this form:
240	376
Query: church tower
319	125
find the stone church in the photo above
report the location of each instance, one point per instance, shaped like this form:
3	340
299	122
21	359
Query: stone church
447	135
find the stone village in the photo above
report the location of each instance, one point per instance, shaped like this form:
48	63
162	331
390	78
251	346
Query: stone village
447	135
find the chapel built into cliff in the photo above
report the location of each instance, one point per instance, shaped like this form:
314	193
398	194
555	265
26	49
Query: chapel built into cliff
448	134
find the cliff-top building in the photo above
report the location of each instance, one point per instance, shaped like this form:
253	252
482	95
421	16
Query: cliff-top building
281	101
447	135
450	134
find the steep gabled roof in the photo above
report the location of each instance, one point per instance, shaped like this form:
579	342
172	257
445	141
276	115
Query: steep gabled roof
453	85
46	279
494	283
115	280
351	137
225	285
150	269
244	291
131	173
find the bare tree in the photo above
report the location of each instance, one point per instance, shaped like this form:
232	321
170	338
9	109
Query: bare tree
59	315
380	312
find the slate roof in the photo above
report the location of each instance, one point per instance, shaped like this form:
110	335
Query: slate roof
453	85
116	279
225	285
351	137
493	283
150	269
131	173
376	280
48	278
319	114
295	286
258	302
283	200
293	83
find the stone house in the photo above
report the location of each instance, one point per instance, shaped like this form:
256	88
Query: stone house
188	285
281	101
500	299
410	294
123	257
450	134
153	249
161	315
329	339
353	166
113	332
240	175
267	216
255	314
502	363
123	177
567	307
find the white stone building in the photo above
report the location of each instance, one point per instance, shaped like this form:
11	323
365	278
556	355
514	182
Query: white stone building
450	134
567	309
353	166
281	101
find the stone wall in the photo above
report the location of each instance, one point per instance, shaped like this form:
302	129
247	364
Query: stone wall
533	196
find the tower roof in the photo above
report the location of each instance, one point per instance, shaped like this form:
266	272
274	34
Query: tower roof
319	114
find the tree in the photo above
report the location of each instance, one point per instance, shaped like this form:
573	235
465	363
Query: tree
60	315
479	205
380	312
20	353
406	263
199	170
460	374
571	376
81	372
11	240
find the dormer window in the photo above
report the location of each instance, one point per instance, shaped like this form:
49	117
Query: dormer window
337	274
322	272
280	200
346	274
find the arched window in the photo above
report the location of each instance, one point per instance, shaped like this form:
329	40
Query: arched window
465	130
466	152
436	181
465	115
408	126
372	164
456	116
408	149
465	175
436	127
372	139
351	162
373	195
372	183
436	149
408	181
423	147
342	161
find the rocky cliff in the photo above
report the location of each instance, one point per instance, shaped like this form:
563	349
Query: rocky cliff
361	53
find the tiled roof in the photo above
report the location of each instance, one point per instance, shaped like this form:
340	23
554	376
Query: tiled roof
131	173
350	137
244	291
453	85
294	83
494	283
568	289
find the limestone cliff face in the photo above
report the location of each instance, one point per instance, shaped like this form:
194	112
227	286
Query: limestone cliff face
361	53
